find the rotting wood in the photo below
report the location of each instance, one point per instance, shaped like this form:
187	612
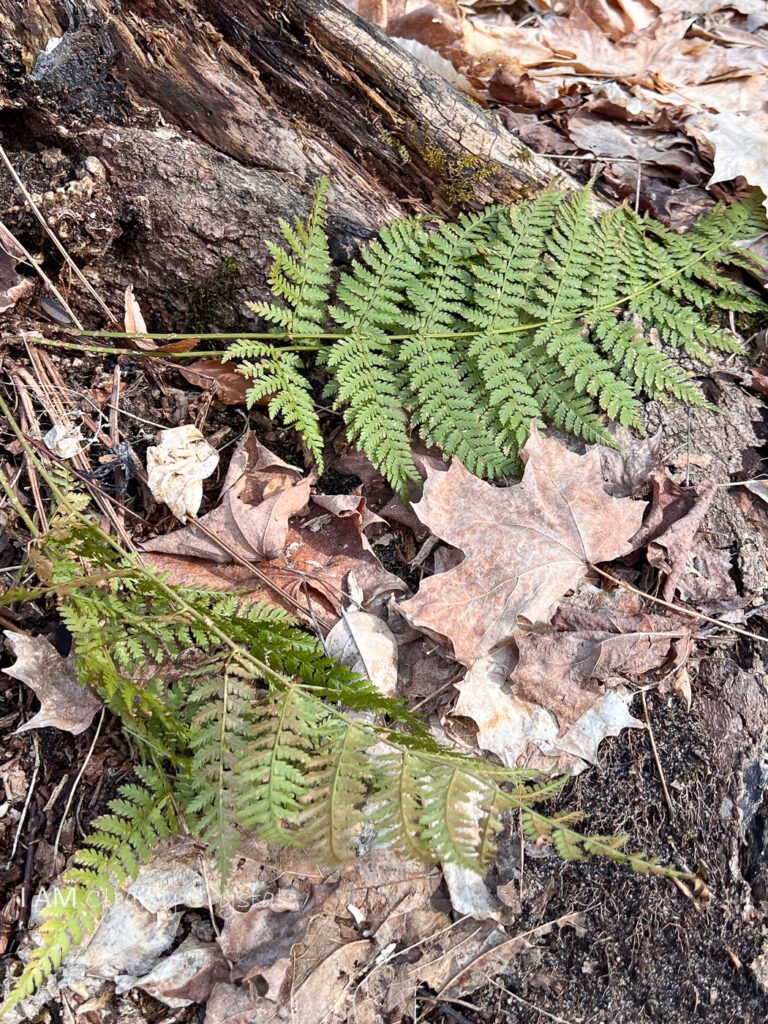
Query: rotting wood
177	135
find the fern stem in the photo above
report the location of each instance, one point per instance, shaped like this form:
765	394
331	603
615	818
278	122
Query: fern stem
222	750
603	848
157	354
620	300
63	589
262	669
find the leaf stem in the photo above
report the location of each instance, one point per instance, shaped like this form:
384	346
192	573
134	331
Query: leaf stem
612	303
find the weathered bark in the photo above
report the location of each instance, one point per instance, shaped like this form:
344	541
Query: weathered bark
209	120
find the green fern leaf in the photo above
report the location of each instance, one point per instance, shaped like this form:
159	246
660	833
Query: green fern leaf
118	845
279	376
443	405
473	331
221	731
301	276
367	382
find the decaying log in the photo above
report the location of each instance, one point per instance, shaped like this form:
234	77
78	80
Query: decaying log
174	135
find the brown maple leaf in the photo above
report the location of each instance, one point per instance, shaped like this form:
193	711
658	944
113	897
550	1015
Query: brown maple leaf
567	672
525	546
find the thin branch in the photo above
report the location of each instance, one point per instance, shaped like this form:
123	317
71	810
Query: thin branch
680	608
30	791
76	783
659	769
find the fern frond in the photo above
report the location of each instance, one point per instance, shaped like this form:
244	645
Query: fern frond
277	768
473	331
342	776
643	367
572	845
222	706
301	276
459	814
442	403
366	379
118	845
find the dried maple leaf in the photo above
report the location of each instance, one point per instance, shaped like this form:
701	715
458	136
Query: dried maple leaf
567	672
521	732
64	704
525	546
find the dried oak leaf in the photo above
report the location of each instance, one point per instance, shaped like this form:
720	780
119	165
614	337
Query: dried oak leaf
64	704
627	470
258	941
232	1004
525	546
187	976
669	548
568	671
309	559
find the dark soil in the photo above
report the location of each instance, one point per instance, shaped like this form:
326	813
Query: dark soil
648	953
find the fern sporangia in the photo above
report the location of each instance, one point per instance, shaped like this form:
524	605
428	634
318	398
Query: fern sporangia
470	332
240	721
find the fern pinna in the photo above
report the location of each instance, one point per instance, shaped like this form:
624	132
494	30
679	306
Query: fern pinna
119	843
240	722
470	332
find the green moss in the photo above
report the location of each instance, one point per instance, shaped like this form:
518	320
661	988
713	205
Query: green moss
397	147
457	175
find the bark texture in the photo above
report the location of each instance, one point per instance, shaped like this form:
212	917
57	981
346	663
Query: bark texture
157	134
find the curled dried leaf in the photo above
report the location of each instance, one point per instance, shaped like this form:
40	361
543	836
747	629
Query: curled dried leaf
176	468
